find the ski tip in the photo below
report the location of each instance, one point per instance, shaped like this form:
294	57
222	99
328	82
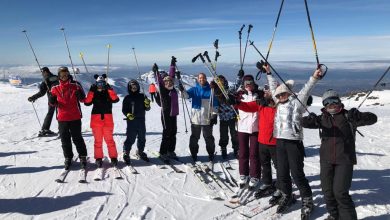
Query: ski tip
59	181
82	181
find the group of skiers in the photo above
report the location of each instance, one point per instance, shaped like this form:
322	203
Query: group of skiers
268	127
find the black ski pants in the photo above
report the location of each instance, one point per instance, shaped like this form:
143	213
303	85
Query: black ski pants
49	116
207	135
335	183
136	129
267	153
290	155
168	142
71	130
224	128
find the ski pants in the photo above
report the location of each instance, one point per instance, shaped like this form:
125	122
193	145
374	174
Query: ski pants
290	155
336	181
267	153
168	142
224	128
71	130
207	135
152	96
249	160
49	117
135	129
103	128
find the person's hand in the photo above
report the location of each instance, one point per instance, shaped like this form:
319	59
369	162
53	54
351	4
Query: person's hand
241	73
317	74
213	120
108	87
178	75
93	88
173	61
155	68
354	114
147	103
267	68
262	102
31	99
130	116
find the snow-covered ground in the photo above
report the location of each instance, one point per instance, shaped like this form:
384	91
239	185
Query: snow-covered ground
28	167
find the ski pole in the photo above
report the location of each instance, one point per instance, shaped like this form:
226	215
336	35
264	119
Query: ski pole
246	45
240	37
108	58
181	82
70	57
184	113
36	114
217	54
376	84
266	61
157	74
139	72
272	40
82	58
323	67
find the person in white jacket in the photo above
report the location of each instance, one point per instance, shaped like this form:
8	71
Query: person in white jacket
248	156
289	135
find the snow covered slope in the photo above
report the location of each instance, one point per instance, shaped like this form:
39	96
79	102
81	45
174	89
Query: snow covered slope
29	165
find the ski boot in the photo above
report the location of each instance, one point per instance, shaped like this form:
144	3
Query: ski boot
172	155
46	133
126	158
243	181
224	153
307	207
99	163
264	191
253	182
332	217
164	158
68	163
275	197
194	158
114	162
142	155
83	162
285	202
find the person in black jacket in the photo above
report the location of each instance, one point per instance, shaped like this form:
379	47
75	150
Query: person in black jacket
102	95
48	81
134	106
337	152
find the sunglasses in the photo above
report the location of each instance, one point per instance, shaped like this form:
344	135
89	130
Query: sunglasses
331	100
101	84
281	94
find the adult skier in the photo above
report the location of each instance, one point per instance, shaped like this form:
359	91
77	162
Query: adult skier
48	80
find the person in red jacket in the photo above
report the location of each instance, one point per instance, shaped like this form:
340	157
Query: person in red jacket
102	95
66	97
265	107
152	91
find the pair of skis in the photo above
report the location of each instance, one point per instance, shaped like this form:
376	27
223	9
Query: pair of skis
64	173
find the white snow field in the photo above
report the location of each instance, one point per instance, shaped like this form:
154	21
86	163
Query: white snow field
29	166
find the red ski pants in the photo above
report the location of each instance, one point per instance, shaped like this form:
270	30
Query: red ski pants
103	129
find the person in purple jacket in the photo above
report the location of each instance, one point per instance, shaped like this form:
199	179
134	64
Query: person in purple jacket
169	102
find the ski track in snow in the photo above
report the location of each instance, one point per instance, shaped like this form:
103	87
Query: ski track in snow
29	165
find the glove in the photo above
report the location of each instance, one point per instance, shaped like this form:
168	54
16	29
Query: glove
173	61
155	68
213	84
354	114
108	87
213	120
312	115
93	88
147	103
31	99
178	74
130	116
262	102
241	73
309	101
52	98
79	95
232	101
181	87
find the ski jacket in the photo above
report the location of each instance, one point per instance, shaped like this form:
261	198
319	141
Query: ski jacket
248	121
266	115
200	96
170	99
45	86
337	135
287	123
66	97
152	88
102	101
134	103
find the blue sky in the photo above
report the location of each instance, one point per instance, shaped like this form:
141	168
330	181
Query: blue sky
345	30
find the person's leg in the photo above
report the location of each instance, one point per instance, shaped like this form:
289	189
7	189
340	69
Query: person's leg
209	139
194	139
75	130
327	172
283	168
131	135
141	141
243	161
66	141
254	158
108	131
49	117
341	185
265	158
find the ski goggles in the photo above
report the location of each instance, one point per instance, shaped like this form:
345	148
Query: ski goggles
248	82
331	100
101	84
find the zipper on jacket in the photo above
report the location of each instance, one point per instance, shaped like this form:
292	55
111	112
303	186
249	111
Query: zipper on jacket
334	141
